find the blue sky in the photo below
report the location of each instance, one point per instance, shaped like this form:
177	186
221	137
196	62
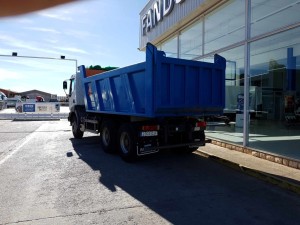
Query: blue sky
94	32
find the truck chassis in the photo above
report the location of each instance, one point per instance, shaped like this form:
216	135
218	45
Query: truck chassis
134	136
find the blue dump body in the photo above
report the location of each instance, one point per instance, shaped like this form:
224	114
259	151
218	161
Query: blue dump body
159	87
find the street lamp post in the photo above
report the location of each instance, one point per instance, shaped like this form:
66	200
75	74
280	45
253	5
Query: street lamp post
62	57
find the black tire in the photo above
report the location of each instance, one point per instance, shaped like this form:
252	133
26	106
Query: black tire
77	133
108	136
127	142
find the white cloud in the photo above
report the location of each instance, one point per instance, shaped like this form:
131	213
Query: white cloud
9	75
81	34
6	37
52	41
36	64
26	45
24	20
72	49
57	16
42	29
5	51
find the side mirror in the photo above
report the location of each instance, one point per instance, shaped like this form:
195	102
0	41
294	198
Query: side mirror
65	85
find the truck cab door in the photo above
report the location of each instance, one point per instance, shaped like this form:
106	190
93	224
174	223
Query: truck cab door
72	94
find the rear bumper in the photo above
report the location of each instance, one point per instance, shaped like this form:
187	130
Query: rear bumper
191	145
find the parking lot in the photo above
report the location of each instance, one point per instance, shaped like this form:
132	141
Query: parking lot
47	177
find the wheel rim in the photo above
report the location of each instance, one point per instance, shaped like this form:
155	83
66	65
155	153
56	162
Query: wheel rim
125	143
105	137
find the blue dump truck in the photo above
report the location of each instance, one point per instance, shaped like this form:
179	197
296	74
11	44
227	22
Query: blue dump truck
143	108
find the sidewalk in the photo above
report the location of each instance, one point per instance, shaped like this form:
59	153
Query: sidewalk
281	175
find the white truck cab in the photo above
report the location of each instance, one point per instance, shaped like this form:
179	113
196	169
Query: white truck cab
74	91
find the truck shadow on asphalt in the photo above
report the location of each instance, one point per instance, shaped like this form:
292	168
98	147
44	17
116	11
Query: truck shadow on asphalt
188	188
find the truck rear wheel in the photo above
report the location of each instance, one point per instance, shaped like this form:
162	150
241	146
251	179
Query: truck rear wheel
127	140
108	135
77	133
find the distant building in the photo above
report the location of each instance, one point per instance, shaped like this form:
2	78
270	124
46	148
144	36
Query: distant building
9	93
32	94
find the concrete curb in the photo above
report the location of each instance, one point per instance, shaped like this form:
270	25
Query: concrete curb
289	162
280	182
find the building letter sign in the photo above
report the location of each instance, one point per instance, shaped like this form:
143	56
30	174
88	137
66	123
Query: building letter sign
159	10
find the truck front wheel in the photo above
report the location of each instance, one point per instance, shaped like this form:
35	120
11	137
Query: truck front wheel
127	140
108	135
77	133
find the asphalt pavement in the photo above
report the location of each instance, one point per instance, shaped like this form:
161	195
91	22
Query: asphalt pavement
48	177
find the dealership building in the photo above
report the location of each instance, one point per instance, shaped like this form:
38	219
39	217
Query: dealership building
260	40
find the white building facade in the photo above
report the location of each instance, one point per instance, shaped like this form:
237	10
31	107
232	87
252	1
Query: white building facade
260	40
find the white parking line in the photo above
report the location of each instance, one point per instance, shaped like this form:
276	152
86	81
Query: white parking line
20	145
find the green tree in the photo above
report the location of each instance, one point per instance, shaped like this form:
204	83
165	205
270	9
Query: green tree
98	67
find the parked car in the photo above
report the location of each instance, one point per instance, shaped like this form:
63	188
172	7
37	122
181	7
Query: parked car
2	96
2	100
39	99
11	102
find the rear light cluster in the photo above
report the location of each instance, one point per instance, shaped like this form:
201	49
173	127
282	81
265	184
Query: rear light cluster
200	125
150	128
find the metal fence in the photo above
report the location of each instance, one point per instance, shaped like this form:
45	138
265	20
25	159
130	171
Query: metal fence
33	116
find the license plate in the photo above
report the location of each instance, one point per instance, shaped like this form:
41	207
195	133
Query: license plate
148	133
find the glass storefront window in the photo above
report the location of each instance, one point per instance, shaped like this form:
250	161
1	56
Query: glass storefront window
191	41
234	94
274	73
170	47
268	15
234	76
234	65
234	90
225	26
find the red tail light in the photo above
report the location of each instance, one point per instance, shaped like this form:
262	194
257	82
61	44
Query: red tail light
150	128
201	124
